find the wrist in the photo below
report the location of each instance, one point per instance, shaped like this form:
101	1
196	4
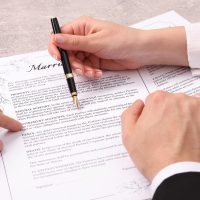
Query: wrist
166	46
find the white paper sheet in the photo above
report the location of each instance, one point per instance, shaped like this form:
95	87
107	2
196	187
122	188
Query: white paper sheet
63	148
4	187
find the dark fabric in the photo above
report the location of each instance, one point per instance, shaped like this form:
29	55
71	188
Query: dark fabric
185	186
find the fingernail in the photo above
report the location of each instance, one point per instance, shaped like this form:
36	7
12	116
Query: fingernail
78	71
89	74
55	57
59	38
98	74
21	127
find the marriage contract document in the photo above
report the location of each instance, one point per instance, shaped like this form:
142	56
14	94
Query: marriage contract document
65	153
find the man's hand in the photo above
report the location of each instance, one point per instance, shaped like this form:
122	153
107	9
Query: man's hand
10	124
163	131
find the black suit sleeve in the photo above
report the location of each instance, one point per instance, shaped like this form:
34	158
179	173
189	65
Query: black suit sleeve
184	186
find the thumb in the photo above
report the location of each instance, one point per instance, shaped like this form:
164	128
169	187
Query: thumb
72	42
129	118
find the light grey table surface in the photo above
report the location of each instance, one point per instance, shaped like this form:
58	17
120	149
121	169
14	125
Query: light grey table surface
25	24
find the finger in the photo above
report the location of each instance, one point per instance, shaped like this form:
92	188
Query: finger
1	145
79	69
9	123
76	63
130	117
73	42
53	50
78	26
98	73
77	66
68	28
81	65
88	70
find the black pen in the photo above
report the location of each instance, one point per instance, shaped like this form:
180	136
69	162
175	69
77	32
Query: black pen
66	65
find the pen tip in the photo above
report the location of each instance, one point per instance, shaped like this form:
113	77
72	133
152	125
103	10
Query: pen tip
76	102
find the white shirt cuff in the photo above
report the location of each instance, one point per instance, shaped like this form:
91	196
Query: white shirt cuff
195	72
193	47
176	168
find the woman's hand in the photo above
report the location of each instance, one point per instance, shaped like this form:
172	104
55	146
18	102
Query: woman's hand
96	45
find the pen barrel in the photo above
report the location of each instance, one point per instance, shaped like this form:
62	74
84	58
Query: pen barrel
68	72
72	86
65	62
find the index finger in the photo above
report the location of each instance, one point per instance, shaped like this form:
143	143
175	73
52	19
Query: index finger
9	123
76	26
79	26
67	29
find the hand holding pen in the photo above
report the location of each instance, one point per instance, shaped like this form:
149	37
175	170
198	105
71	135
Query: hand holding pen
66	65
97	45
